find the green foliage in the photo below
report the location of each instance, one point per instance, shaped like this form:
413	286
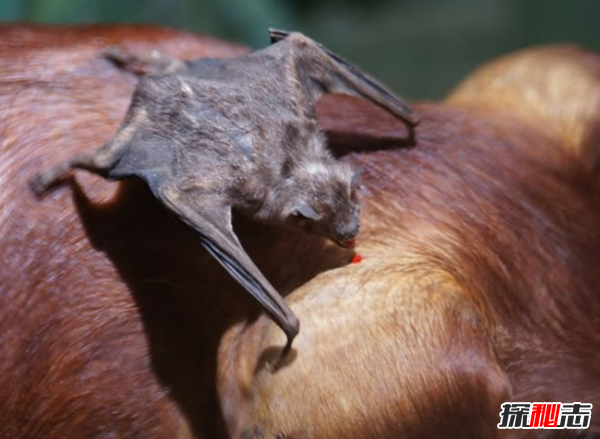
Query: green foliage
421	48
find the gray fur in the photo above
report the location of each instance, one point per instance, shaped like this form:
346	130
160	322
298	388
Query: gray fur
211	135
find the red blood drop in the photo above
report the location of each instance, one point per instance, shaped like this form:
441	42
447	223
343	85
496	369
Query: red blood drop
356	259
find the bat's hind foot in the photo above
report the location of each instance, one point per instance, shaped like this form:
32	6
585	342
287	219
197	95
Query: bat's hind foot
43	180
153	63
98	162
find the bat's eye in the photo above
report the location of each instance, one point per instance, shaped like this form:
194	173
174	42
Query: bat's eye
305	211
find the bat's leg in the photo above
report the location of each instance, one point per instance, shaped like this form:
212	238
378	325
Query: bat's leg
333	74
99	162
153	63
211	221
46	178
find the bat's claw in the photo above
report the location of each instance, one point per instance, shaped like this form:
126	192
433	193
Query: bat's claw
291	329
284	358
42	181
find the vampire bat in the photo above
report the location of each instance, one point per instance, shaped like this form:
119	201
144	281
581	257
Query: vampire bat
210	135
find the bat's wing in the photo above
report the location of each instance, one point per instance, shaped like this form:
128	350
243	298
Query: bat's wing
211	221
322	71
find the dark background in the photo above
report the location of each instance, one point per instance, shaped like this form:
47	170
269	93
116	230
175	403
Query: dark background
421	48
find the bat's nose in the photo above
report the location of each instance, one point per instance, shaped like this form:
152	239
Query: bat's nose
347	235
349	230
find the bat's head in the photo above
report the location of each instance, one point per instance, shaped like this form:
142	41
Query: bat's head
322	199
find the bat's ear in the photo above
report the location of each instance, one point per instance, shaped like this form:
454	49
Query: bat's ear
305	211
356	178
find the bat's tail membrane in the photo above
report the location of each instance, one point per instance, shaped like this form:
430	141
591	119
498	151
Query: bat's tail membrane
366	85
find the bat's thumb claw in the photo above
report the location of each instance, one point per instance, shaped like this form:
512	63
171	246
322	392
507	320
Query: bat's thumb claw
291	331
292	327
285	357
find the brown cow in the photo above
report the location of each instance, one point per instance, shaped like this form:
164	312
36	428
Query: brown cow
480	281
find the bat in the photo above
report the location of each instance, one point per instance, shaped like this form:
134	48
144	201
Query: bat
212	135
